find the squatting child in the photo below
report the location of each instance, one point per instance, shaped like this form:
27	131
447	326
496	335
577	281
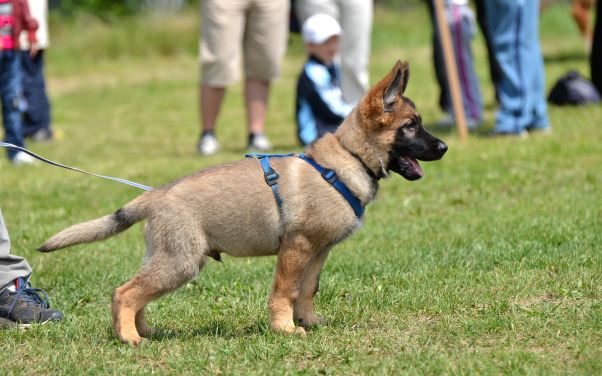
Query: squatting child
320	107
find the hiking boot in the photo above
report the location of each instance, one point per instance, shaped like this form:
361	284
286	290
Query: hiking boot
259	142
208	144
26	305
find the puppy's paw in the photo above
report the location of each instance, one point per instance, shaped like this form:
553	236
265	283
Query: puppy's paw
149	331
289	328
300	331
310	321
133	341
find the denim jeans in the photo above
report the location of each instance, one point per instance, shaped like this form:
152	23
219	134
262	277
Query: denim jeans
10	92
37	111
514	28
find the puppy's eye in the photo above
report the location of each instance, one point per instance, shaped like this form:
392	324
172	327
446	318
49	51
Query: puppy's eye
411	127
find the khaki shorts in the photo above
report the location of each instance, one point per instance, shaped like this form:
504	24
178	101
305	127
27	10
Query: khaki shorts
256	29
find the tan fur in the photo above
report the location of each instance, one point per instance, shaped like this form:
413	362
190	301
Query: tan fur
231	209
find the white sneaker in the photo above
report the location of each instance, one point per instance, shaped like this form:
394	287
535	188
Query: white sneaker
259	142
22	158
207	145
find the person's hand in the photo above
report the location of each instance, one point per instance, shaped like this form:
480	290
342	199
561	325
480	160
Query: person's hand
33	51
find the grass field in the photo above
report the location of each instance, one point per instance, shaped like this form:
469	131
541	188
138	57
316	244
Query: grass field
491	264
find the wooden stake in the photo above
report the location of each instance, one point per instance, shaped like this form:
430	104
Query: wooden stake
451	69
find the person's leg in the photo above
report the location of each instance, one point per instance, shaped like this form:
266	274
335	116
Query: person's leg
307	8
264	45
439	64
494	68
10	88
355	17
580	11
222	26
536	110
256	101
11	266
36	119
463	31
505	18
211	102
19	301
596	56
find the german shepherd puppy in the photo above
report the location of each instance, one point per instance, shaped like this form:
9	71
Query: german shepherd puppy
231	209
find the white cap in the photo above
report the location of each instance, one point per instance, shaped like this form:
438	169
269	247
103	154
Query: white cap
319	27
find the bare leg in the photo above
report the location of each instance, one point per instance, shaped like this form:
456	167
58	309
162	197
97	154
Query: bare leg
256	100
293	258
304	306
210	104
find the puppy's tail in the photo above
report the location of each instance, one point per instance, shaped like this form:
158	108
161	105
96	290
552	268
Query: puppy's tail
100	228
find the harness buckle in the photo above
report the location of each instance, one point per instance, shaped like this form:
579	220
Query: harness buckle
271	177
329	175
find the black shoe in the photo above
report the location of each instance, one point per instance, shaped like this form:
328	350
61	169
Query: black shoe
7	324
27	305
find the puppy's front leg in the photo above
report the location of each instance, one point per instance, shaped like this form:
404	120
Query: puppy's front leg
304	306
294	256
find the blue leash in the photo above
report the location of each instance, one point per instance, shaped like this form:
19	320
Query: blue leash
133	184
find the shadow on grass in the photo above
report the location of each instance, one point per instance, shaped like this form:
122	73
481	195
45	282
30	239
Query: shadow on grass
215	328
565	57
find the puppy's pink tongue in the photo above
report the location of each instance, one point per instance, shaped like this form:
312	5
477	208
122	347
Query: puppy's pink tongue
415	166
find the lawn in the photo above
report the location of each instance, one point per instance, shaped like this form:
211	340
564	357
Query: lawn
490	264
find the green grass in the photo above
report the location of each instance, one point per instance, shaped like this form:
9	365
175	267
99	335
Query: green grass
490	264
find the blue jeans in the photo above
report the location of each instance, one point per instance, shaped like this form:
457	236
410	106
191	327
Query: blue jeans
10	91
514	31
37	111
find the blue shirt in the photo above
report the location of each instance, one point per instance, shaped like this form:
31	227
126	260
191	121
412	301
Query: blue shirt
320	107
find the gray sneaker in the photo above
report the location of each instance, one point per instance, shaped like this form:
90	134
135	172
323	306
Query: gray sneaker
259	142
207	145
27	305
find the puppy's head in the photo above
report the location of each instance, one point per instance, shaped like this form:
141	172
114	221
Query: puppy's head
394	125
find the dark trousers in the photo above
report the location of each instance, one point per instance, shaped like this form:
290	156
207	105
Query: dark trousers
10	93
495	71
596	56
37	112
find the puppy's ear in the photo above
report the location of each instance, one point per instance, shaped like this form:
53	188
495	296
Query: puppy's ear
397	84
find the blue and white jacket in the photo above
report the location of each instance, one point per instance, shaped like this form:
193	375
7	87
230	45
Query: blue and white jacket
320	105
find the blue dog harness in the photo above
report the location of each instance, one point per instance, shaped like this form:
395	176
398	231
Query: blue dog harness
271	178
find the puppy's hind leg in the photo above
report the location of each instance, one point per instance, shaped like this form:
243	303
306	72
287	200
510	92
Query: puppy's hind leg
166	270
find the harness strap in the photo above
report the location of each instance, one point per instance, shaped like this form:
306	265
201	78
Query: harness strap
331	177
270	176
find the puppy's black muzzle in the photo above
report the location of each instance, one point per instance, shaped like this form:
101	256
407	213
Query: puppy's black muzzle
435	150
422	146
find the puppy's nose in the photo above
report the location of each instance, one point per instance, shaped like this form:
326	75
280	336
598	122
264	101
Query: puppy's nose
442	148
